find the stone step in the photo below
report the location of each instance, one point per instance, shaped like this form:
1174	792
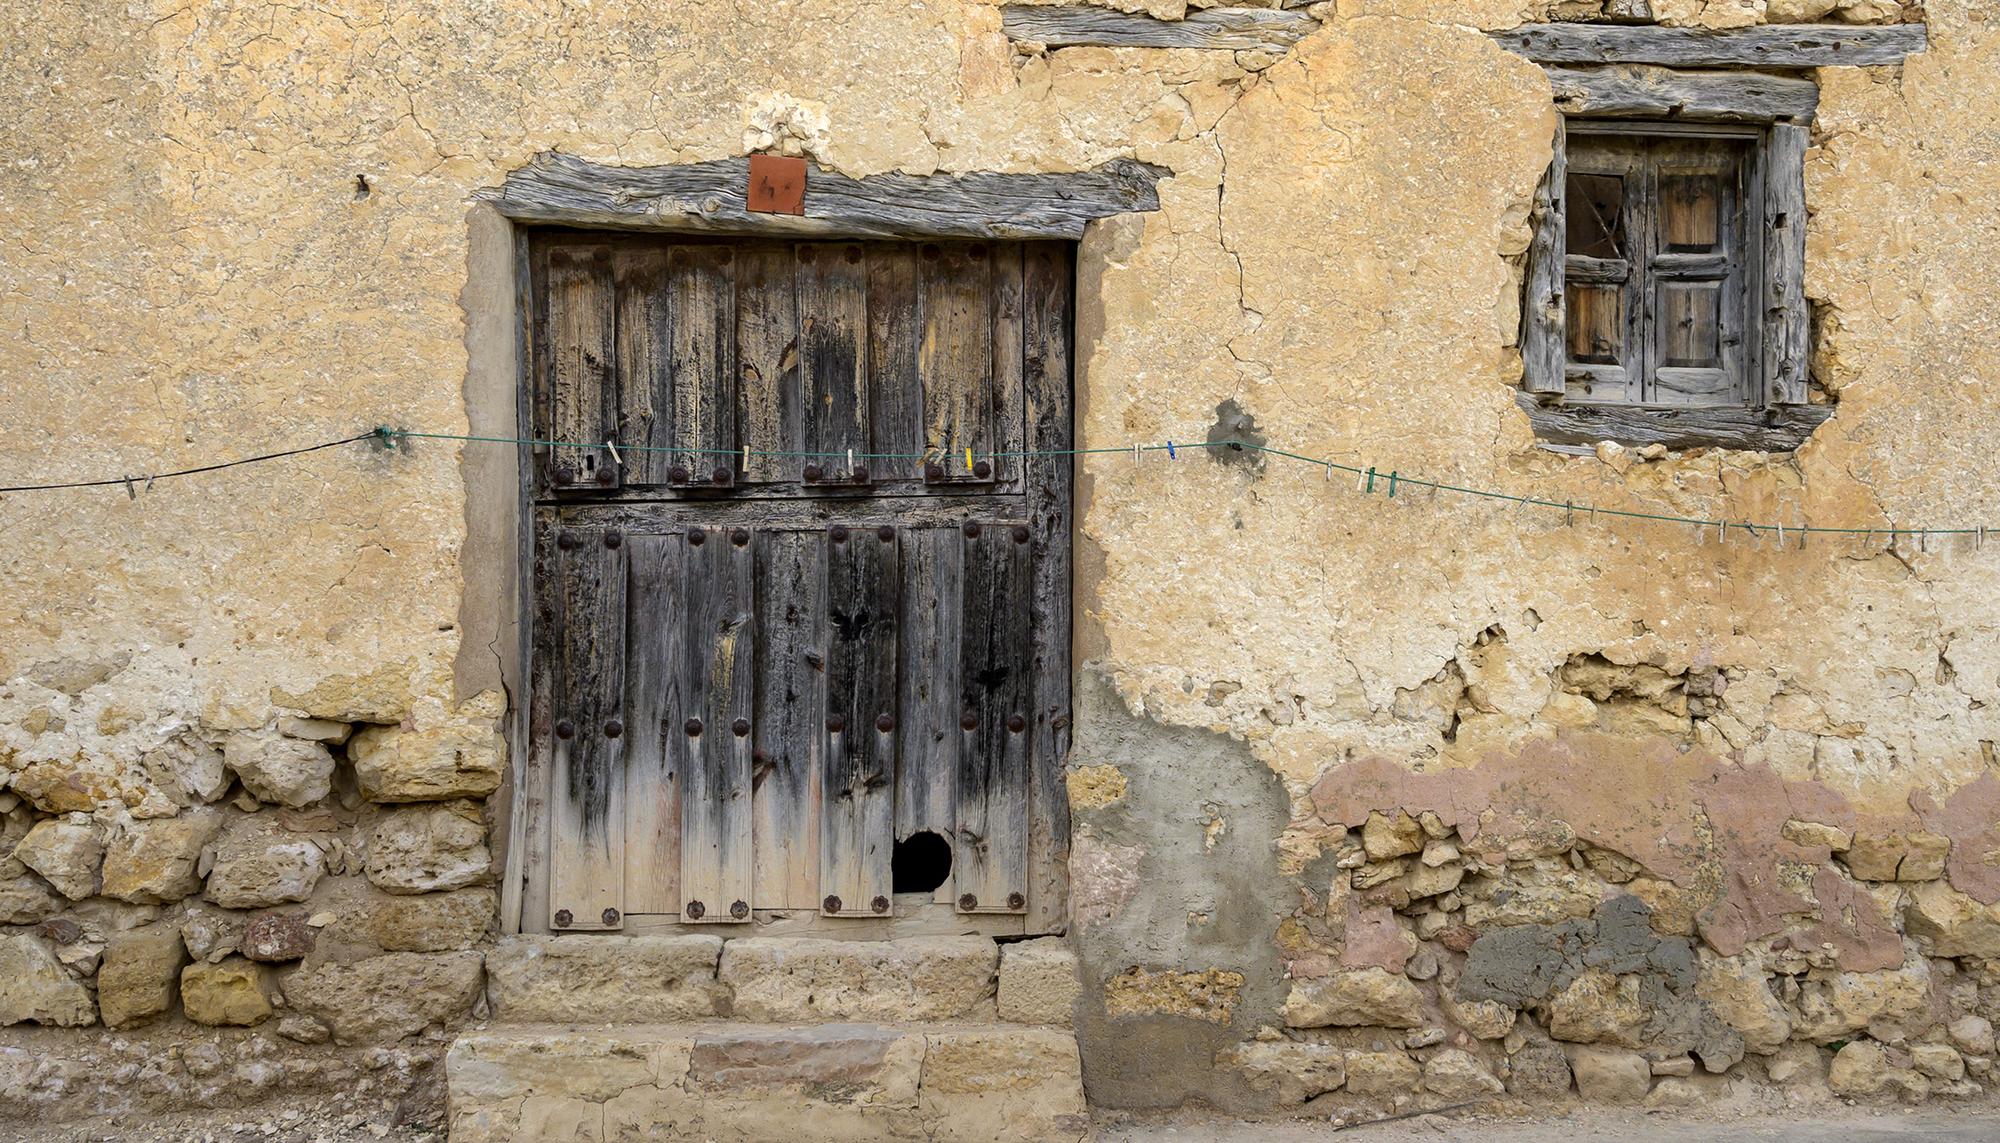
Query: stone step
720	1080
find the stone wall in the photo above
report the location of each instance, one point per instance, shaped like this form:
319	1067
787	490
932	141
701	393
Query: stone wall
1393	800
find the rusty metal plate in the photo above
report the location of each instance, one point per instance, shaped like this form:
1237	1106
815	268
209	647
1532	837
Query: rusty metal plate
777	185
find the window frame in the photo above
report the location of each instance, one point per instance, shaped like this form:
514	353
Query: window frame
1772	114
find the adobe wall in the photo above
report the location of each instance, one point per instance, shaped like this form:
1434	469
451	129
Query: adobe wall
1375	800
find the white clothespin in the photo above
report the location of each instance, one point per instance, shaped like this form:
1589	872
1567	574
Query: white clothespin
130	492
615	458
1136	454
850	460
1781	535
746	458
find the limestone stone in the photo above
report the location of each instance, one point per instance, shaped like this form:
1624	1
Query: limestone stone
1738	991
273	938
1456	1075
1291	1073
1428	880
279	769
648	979
386	997
1038	982
156	862
1863	1070
1597	1007
1482	1019
1675	1092
258	864
460	759
1542	895
1972	1035
1384	836
1538	1070
1797	1062
1816	834
68	852
1938	1061
1367	996
1846	1002
1674	1066
232	992
1012	1082
428	848
1209	994
433	922
34	987
1604	1075
140	974
1915	855
919	978
27	899
1952	924
1382	1073
315	729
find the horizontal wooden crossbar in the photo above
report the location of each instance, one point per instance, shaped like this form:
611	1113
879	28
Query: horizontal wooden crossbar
1226	29
1770	45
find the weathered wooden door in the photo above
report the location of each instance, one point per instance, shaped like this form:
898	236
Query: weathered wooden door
802	576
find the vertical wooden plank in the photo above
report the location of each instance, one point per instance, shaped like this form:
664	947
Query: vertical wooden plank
645	410
655	604
1785	317
578	334
833	326
996	698
1048	281
927	724
718	673
1542	308
955	355
895	329
790	718
767	356
1008	395
701	304
587	876
858	747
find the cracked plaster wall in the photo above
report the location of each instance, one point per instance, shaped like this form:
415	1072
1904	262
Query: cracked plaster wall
233	226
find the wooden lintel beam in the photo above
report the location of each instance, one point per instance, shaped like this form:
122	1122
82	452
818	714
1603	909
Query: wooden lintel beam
1227	29
565	190
1709	96
1780	429
1769	45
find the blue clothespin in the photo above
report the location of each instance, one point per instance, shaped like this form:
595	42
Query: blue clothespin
1170	450
1392	485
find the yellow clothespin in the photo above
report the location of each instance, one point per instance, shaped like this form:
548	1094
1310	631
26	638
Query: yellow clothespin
968	458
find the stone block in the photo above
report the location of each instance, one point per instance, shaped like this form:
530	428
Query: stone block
1459	1076
279	769
273	938
140	974
1209	994
27	899
432	922
1604	1075
259	864
233	992
1039	982
610	979
429	848
1384	836
1371	997
35	988
68	852
1598	1007
1382	1073
156	862
386	997
1863	1069
1538	1071
1972	1035
1290	1072
1914	855
920	978
1738	991
869	1065
1483	1019
433	764
1950	923
1003	1083
1830	1006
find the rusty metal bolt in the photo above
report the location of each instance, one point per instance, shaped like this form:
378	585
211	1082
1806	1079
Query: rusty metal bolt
879	904
739	909
968	721
563	918
933	470
678	474
692	726
696	535
1016	723
813	473
967	903
835	723
613	538
565	473
837	533
971	528
1021	533
614	728
565	540
1016	901
830	905
565	729
740	537
695	910
853	254
740	728
723	474
606	476
885	533
610	916
885	723
982	469
860	474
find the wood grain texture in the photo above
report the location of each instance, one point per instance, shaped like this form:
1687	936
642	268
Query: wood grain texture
1770	45
718	674
955	355
833	355
1048	316
577	363
769	402
1653	92
587	866
791	643
656	586
928	699
1780	429
1785	320
858	750
644	415
1543	307
1219	29
562	189
996	694
701	303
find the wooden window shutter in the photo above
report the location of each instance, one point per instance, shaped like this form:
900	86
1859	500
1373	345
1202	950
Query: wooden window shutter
580	367
1785	316
1542	334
